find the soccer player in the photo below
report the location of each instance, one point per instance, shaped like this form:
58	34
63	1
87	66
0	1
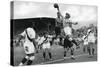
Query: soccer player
58	25
68	30
85	43
91	40
67	27
29	45
46	46
45	42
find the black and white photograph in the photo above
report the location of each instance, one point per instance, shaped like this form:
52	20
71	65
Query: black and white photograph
52	33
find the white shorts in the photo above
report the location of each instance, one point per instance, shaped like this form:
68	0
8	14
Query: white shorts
46	45
29	47
68	31
85	43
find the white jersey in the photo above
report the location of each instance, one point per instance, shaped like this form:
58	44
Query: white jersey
46	44
91	38
28	45
66	22
68	30
41	39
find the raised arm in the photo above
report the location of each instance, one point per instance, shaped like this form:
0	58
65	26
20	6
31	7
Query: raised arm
57	7
74	23
61	15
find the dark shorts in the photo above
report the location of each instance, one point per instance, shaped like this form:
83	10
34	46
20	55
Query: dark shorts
32	54
57	30
67	43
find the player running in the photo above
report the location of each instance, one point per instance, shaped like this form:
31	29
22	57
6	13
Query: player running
69	40
29	45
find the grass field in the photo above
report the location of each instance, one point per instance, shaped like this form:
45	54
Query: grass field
57	56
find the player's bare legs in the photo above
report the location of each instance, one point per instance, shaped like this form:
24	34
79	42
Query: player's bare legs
85	48
72	53
45	52
65	52
91	49
49	53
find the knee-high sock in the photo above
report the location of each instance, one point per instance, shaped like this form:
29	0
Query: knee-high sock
44	55
64	53
89	51
72	51
93	51
84	50
23	61
29	62
50	55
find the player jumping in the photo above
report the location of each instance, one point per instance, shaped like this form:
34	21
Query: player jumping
67	28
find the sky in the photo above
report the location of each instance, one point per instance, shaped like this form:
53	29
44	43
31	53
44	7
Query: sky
83	14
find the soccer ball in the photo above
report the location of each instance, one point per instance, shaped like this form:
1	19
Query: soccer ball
56	5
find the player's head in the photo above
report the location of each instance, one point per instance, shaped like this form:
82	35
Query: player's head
91	26
33	25
67	16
